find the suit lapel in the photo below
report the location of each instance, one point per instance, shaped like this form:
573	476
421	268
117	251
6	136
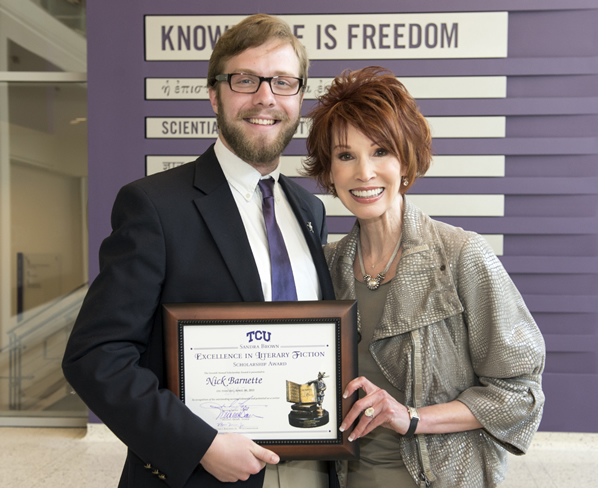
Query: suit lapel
219	211
305	218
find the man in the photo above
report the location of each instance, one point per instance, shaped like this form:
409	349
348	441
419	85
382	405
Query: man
197	234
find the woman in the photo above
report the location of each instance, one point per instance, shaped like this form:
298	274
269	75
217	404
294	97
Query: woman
450	359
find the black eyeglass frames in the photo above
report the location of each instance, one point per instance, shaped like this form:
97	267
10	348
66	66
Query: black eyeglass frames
246	83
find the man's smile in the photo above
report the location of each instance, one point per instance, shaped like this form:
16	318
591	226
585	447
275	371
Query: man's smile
261	121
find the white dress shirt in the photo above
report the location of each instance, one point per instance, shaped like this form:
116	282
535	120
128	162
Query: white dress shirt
243	181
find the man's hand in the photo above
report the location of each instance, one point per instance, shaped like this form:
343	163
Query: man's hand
234	457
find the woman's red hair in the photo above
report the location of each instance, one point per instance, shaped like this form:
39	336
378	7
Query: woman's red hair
373	101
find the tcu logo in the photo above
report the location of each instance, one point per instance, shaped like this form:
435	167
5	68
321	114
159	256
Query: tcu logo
259	335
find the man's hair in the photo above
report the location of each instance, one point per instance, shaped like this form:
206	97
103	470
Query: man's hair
254	31
373	101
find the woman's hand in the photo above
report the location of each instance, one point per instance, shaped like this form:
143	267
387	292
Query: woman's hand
387	411
442	418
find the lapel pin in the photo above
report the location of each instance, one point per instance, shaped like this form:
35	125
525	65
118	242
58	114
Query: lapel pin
309	226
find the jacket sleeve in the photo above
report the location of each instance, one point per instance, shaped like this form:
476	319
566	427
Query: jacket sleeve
106	359
506	347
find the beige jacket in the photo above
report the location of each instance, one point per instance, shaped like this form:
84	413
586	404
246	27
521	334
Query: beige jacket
454	327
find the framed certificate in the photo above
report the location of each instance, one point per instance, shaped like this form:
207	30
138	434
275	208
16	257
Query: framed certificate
273	371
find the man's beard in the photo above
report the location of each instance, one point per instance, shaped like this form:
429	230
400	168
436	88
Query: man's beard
255	151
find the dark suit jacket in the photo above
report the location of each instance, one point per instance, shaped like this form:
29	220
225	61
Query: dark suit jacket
177	237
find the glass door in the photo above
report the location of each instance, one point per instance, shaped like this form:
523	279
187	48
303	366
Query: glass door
43	212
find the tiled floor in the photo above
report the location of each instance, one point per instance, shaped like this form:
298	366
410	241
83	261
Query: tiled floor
67	458
52	457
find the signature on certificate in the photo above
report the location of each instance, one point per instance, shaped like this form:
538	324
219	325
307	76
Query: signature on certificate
235	410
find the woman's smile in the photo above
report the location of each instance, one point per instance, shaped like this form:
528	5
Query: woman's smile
366	194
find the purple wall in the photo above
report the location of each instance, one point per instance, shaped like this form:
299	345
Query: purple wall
551	183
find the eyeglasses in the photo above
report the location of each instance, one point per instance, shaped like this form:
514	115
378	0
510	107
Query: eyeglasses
244	83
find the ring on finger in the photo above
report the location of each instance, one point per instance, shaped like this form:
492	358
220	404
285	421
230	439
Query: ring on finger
369	412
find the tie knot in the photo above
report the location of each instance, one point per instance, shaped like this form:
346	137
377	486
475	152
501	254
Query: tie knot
267	187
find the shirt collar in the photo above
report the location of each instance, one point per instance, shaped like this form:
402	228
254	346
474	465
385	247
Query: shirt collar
240	175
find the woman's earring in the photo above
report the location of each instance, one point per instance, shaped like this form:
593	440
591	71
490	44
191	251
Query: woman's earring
405	182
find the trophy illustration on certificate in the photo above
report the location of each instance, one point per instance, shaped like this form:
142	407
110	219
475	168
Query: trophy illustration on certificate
307	411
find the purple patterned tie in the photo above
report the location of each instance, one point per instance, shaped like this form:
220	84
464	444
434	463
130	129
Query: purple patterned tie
283	283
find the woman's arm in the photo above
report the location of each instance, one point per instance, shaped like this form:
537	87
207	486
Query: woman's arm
506	348
434	419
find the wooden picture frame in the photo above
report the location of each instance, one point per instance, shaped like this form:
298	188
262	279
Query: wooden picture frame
274	371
